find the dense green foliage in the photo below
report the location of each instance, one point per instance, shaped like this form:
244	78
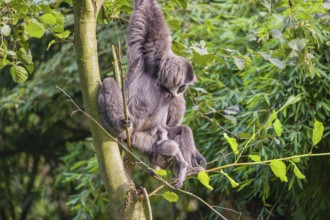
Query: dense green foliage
252	58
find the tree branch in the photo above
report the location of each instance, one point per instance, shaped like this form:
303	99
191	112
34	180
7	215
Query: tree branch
118	185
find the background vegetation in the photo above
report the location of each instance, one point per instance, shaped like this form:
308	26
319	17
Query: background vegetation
250	57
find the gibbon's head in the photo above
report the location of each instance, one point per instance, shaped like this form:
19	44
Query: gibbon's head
176	74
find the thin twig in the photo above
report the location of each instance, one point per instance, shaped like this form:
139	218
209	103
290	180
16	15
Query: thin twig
116	66
120	80
215	169
123	72
156	190
146	197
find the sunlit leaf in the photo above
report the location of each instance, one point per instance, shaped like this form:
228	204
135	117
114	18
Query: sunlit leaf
272	117
204	179
11	53
232	142
291	100
297	44
277	127
255	158
202	57
296	160
35	30
277	141
317	132
297	172
24	56
239	63
4	62
265	55
161	172
280	64
51	43
232	110
231	180
19	73
49	19
279	169
231	118
170	196
5	30
63	35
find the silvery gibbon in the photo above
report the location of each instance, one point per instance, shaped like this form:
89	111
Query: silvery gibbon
155	83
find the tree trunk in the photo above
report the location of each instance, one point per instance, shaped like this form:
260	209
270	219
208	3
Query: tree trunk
124	198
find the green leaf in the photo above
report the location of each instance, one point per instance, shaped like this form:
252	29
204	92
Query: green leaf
297	44
170	196
247	61
161	172
231	118
278	127
317	132
204	179
278	17
272	117
19	73
255	158
231	180
279	169
29	67
291	100
51	43
265	55
245	183
232	142
35	30
4	62
174	24
232	110
49	19
239	63
24	56
297	172
11	53
5	30
296	160
280	64
182	3
244	135
202	57
63	35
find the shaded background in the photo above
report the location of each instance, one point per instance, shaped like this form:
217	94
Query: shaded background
48	168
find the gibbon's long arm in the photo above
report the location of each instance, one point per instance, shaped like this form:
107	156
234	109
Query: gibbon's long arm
148	37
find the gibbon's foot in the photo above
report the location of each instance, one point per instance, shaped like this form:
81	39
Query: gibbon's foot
126	123
191	171
201	161
178	184
151	172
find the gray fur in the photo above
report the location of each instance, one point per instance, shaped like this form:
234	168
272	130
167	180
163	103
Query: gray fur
155	84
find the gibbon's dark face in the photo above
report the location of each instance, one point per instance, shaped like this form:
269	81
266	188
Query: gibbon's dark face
187	79
176	75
